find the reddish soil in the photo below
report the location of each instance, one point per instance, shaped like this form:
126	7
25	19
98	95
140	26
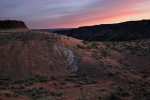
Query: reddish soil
31	68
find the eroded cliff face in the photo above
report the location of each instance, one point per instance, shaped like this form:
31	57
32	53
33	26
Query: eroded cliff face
10	24
72	59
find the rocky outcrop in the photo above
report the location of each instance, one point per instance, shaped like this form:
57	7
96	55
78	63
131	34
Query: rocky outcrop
72	59
125	31
10	24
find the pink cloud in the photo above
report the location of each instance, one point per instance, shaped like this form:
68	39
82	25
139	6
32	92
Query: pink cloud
99	16
72	13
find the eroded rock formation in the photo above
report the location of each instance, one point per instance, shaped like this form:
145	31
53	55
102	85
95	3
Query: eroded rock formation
31	54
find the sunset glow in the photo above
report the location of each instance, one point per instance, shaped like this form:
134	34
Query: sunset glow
39	14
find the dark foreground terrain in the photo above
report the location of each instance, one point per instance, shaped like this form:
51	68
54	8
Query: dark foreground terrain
44	66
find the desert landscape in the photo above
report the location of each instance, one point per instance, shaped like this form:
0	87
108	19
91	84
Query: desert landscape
74	49
37	65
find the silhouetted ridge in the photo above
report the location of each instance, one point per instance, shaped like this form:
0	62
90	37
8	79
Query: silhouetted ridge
9	24
125	31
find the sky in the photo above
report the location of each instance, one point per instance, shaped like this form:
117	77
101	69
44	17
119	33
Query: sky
43	14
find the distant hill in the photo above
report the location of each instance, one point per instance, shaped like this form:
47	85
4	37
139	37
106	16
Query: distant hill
11	24
54	30
125	31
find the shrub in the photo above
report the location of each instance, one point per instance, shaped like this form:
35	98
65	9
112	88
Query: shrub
99	97
7	94
19	81
104	54
19	91
70	79
54	83
16	95
2	88
46	91
94	44
89	81
145	76
53	78
81	83
31	83
53	93
63	83
28	90
85	42
114	96
88	47
77	85
81	46
6	84
0	82
122	92
33	93
41	88
43	79
60	94
22	87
